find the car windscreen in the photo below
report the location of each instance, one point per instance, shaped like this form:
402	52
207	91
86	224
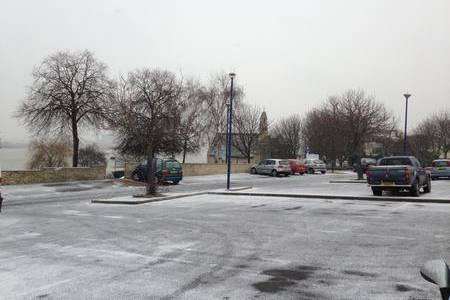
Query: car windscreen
284	162
173	164
395	161
441	163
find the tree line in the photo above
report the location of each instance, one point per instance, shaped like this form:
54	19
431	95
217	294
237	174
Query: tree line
150	111
153	111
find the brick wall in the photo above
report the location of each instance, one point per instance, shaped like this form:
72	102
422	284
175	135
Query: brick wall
53	175
200	169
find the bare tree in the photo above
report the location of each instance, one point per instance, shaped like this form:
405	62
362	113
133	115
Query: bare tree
193	122
321	132
146	116
437	127
287	134
92	156
341	127
431	138
68	92
361	120
48	153
246	129
442	120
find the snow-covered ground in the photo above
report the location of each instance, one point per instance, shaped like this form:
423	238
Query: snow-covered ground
221	247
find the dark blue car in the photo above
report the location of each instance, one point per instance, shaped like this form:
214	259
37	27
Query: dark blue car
167	170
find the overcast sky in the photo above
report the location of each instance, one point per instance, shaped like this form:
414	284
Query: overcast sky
288	55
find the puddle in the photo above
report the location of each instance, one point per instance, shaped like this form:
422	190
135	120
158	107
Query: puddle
405	288
294	208
283	278
261	205
359	273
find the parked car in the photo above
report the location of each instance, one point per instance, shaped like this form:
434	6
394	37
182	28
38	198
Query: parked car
273	167
397	173
315	165
366	162
167	170
297	167
440	168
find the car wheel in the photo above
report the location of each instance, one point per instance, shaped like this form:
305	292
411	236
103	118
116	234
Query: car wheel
176	182
414	191
323	172
274	173
310	171
427	188
433	178
135	176
253	171
377	191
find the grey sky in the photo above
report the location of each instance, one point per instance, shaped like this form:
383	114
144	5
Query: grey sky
289	55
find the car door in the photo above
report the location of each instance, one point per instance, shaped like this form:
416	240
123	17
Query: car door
269	166
260	167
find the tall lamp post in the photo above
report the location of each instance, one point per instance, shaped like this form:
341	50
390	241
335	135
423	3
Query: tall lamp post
229	130
406	125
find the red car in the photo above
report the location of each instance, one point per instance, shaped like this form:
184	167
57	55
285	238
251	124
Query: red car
297	167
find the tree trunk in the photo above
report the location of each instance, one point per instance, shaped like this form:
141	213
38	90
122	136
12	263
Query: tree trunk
151	168
76	142
184	151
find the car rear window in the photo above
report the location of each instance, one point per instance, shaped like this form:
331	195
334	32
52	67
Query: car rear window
284	162
172	164
396	161
441	163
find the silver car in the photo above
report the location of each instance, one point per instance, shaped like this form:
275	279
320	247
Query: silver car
440	168
273	167
315	165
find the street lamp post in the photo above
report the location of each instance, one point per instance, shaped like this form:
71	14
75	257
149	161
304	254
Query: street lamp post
229	130
406	124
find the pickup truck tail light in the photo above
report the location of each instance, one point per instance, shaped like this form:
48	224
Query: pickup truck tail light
408	174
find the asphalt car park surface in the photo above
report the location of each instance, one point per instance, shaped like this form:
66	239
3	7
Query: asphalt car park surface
221	247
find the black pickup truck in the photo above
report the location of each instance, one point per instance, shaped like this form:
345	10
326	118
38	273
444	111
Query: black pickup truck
397	173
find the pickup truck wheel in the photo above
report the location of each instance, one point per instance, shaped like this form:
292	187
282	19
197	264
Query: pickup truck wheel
311	171
135	176
415	191
427	188
323	172
377	191
274	173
